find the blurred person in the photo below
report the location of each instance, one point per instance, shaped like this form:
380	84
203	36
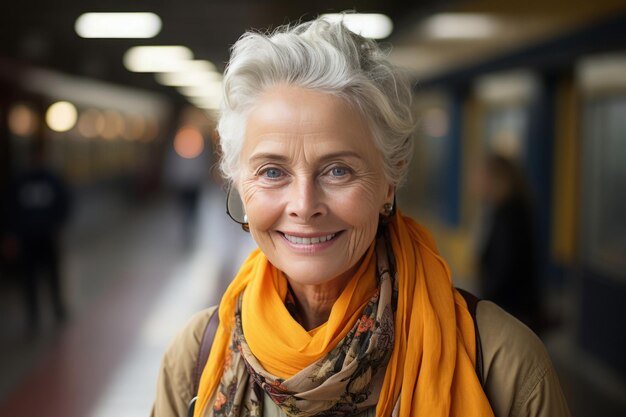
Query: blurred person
345	308
186	175
506	262
37	209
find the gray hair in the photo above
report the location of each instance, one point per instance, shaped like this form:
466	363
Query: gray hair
325	57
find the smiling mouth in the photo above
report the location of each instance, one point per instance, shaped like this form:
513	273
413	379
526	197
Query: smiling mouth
298	240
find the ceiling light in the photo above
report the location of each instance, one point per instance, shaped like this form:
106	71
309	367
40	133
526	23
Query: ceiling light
61	116
209	103
516	86
189	73
114	125
118	25
196	65
188	143
213	89
460	26
91	123
369	25
22	120
183	79
156	58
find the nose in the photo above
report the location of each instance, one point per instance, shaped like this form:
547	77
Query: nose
306	200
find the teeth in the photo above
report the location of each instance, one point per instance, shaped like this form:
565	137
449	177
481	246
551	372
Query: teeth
309	240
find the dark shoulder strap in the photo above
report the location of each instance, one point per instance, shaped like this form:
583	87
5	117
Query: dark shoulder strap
472	304
203	354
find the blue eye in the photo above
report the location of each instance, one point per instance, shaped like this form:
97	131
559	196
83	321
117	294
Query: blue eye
273	173
338	171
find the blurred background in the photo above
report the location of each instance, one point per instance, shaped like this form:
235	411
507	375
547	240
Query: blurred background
113	230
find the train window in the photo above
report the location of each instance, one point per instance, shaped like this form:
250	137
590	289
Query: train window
604	176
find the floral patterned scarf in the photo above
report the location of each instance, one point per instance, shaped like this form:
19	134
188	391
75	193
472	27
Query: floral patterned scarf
399	338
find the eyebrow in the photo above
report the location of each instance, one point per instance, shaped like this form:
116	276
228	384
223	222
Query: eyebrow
264	156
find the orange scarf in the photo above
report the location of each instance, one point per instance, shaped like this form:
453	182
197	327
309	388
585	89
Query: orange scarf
432	367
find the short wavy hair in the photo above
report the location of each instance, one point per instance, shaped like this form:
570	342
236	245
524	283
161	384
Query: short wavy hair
326	57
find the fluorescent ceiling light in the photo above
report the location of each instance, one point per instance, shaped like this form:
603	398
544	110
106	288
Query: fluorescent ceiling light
118	25
206	100
187	79
190	73
460	26
196	65
369	25
216	100
205	103
213	89
156	58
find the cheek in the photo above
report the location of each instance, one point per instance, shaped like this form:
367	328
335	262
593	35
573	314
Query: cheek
261	206
360	208
361	202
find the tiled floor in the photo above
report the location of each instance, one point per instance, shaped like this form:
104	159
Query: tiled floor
131	287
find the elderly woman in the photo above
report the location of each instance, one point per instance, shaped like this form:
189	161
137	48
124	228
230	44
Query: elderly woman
345	308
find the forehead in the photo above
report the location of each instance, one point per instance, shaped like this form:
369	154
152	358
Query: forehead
292	116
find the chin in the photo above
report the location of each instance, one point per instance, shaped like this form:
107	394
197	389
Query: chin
314	273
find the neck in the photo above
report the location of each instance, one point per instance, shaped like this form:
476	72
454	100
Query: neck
315	302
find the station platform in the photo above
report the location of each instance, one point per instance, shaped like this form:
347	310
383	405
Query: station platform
132	279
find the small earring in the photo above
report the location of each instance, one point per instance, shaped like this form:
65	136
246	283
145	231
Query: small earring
245	218
387	209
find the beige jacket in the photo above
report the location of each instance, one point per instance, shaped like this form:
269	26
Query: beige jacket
519	378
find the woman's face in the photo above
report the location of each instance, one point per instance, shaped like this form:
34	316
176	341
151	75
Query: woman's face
312	183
